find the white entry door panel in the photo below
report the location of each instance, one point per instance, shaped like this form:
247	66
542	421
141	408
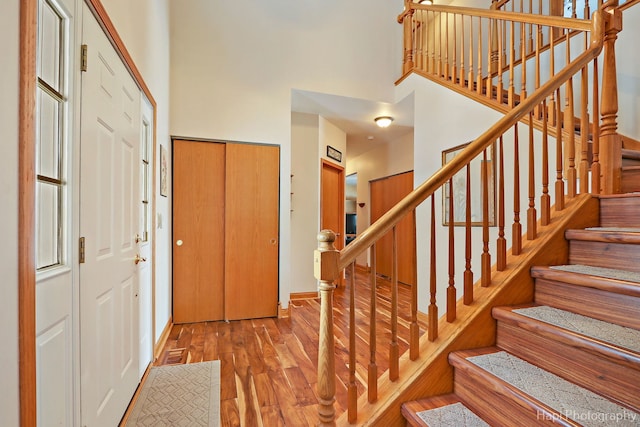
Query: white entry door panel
109	221
145	242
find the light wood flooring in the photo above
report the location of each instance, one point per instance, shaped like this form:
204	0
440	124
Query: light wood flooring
269	366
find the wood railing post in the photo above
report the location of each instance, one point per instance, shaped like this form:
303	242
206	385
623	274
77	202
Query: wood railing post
493	37
610	142
326	271
406	19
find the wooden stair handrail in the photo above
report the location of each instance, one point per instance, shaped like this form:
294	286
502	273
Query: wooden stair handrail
420	194
498	4
628	4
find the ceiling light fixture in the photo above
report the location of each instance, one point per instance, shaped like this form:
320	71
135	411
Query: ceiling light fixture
428	2
383	121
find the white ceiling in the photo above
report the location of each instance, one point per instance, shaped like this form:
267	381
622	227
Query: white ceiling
355	117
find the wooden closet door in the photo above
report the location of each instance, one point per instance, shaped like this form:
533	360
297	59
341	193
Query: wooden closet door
385	193
378	207
251	231
198	231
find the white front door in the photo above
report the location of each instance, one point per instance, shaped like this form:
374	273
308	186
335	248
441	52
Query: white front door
109	222
145	203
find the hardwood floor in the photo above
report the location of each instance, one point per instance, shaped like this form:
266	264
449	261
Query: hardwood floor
269	366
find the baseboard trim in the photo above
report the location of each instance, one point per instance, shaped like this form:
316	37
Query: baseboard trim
283	313
157	349
303	295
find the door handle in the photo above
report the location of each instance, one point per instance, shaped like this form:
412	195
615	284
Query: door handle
138	259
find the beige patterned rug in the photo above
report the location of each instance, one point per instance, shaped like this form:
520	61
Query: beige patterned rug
179	395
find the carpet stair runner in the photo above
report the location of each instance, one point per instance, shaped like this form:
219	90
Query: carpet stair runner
572	356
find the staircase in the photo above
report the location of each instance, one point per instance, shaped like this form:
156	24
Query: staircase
568	347
572	356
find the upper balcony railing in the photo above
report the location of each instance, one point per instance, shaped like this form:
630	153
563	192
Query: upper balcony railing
569	9
501	56
537	167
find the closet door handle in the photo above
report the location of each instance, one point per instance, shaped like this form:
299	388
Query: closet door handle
273	241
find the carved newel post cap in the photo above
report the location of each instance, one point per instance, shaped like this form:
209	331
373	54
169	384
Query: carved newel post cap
326	236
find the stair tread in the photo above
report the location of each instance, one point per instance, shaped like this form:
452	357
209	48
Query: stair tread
452	415
608	273
617	196
620	336
558	394
615	229
606	235
440	411
606	279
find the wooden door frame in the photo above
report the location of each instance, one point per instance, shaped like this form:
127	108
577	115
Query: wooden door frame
325	163
27	194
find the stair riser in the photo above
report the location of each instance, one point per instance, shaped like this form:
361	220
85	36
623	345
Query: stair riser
619	212
609	307
603	254
497	404
630	180
574	364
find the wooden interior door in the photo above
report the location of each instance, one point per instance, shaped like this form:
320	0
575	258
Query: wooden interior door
385	193
332	201
251	231
198	231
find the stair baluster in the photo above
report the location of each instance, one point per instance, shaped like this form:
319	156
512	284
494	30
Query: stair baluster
372	382
468	273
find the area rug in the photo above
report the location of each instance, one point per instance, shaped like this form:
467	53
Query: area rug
179	395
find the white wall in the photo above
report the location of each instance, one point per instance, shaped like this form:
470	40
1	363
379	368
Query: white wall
628	67
389	159
305	200
443	119
144	28
233	68
9	72
310	135
332	135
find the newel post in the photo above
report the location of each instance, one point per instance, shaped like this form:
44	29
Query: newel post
610	142
406	19
325	269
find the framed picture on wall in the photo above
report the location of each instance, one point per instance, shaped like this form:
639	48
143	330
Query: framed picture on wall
334	154
460	189
164	170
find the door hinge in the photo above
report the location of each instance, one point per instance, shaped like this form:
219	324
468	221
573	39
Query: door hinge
83	58
81	249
